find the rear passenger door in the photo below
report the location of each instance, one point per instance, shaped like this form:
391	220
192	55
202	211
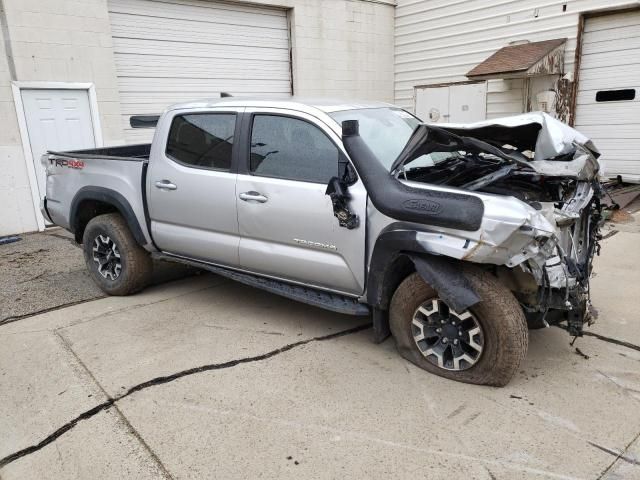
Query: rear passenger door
286	221
191	185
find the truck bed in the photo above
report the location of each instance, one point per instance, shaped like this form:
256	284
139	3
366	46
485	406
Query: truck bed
115	175
138	152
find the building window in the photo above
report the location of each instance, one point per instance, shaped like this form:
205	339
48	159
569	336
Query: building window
615	95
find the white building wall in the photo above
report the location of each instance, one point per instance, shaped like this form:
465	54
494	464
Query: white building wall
16	207
438	41
67	41
343	48
340	48
51	41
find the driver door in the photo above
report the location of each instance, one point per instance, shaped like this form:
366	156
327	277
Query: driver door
286	222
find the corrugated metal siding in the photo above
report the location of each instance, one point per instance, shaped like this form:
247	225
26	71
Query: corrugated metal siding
173	51
438	41
610	61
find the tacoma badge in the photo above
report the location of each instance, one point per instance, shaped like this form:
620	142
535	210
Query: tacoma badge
308	243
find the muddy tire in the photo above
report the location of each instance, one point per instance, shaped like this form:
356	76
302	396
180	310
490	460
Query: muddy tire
115	261
491	338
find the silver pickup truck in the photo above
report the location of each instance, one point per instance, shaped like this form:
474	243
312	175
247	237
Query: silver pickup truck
454	238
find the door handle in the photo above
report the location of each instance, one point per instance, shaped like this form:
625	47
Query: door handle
252	197
166	185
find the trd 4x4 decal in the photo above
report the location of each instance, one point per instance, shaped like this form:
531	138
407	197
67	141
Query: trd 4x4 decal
71	163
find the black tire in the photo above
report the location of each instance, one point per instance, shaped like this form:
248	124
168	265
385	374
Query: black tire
500	317
135	262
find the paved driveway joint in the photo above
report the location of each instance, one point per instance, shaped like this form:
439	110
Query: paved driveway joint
111	401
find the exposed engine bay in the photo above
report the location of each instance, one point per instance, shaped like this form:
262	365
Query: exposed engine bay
544	164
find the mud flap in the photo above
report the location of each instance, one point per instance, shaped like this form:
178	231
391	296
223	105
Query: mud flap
448	280
381	330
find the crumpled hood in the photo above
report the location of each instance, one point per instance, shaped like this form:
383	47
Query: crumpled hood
558	150
535	131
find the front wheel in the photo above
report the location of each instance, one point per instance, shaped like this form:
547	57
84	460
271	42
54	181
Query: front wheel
117	264
483	345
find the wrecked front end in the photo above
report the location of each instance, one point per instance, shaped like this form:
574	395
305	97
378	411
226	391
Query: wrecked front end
538	181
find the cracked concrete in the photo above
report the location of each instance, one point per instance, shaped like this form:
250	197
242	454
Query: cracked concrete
111	402
205	378
626	464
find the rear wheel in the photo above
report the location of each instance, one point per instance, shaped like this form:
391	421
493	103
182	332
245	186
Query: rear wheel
483	345
117	264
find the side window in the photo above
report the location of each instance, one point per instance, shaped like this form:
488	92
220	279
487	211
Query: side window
202	140
285	147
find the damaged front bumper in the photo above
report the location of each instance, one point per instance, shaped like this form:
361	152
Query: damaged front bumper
542	253
542	232
563	267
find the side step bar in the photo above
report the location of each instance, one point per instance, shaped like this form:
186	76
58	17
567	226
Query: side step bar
311	296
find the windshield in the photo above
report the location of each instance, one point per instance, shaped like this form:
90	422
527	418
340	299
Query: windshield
384	130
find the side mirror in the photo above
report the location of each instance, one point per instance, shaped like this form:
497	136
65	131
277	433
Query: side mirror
337	188
346	172
338	191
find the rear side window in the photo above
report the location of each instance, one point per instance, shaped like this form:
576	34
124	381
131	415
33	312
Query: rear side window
202	140
290	148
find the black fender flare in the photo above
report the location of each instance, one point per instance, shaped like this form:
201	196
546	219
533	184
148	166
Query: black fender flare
444	274
111	197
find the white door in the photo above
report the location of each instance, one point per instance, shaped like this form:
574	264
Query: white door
457	103
468	102
56	120
608	100
432	104
174	51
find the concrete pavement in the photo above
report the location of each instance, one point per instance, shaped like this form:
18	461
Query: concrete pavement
45	271
206	378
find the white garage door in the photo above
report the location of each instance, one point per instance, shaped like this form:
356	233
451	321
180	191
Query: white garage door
608	101
181	50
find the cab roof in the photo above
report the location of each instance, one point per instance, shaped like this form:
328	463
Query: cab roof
325	105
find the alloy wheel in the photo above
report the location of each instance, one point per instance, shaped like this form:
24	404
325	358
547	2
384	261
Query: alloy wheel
447	339
107	256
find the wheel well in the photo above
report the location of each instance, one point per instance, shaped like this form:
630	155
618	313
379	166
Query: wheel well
91	201
86	210
444	274
399	268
